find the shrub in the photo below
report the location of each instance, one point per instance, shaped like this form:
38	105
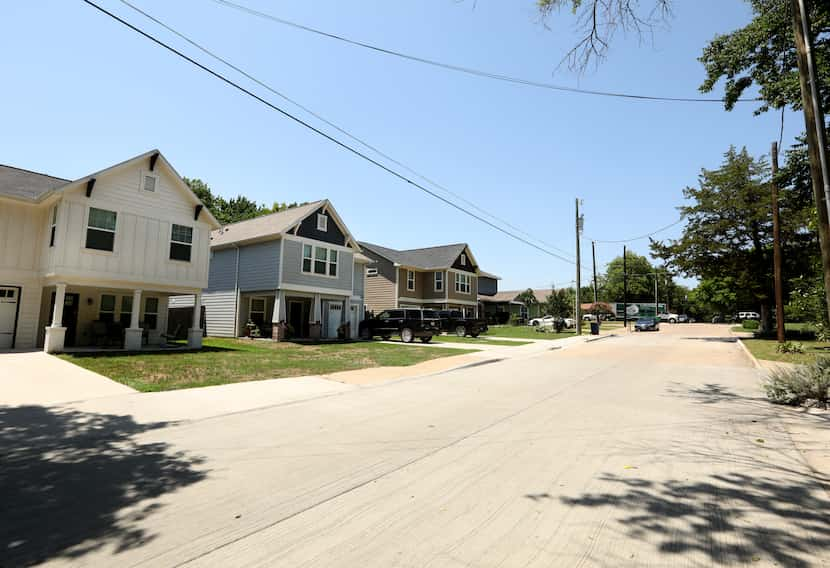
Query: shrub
809	384
515	320
790	347
750	325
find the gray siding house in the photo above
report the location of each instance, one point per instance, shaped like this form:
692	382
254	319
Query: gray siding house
298	273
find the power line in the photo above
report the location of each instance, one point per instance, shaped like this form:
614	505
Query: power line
318	131
470	70
660	230
285	97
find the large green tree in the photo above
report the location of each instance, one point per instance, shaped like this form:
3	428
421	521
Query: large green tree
239	208
640	279
560	303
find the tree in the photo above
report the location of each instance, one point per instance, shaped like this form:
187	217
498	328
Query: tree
528	298
640	279
236	209
560	303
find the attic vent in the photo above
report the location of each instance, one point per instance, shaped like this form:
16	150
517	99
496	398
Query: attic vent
322	222
149	183
463	259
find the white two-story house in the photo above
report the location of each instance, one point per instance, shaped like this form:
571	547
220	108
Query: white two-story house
91	262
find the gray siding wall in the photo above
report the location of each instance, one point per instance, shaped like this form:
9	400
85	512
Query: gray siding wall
259	266
292	268
359	279
219	313
487	286
222	273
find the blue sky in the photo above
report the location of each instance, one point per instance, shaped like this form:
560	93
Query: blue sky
82	92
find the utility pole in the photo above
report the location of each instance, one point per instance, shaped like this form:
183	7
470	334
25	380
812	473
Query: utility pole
594	258
656	305
578	316
625	288
776	248
816	135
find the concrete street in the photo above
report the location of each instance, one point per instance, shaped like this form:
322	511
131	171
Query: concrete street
639	450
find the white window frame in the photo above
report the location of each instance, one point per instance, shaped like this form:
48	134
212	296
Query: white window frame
172	241
410	280
142	182
463	259
438	281
53	226
463	283
88	227
371	272
114	305
251	307
332	259
155	313
322	222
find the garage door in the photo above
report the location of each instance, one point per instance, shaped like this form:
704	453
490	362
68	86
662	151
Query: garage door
9	297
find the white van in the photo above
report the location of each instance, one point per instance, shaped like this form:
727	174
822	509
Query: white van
748	316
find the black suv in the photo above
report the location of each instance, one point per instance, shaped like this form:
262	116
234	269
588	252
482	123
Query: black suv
453	321
407	323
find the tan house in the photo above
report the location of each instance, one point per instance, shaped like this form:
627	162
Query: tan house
442	277
91	262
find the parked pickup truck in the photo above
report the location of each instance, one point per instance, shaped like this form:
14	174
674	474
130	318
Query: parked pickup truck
453	321
406	323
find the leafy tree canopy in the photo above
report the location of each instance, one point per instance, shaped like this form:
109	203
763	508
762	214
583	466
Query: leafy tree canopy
560	303
640	279
236	209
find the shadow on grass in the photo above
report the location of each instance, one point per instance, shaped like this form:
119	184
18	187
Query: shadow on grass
116	353
789	522
70	482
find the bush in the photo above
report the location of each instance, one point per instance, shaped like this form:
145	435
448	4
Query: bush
515	320
751	325
809	384
790	347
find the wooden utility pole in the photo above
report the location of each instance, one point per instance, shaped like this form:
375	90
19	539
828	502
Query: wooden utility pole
577	310
594	258
816	136
625	288
776	248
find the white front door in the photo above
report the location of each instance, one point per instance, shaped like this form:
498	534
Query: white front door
335	318
9	297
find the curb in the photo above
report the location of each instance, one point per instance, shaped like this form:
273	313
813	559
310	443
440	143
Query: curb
748	353
600	338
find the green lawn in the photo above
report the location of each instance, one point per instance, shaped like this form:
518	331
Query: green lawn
765	349
233	360
524	332
481	340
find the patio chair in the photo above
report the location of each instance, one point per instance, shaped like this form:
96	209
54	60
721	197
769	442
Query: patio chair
165	337
100	333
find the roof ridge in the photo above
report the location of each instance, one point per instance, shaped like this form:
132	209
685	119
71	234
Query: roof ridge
435	247
259	217
33	172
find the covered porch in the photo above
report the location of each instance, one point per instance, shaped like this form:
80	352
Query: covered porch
308	315
85	317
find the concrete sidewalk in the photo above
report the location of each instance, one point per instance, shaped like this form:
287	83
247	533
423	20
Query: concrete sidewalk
37	378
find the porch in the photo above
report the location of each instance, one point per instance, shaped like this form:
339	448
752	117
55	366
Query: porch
83	317
290	314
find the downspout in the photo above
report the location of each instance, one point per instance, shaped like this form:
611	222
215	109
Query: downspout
236	296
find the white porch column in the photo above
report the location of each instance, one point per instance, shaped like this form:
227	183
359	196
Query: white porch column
347	316
316	312
132	335
194	334
279	307
55	332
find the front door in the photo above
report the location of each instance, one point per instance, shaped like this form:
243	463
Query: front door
298	312
70	316
9	298
334	319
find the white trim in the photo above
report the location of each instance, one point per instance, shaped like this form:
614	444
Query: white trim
282	261
316	289
463	258
172	241
114	304
143	311
264	306
375	273
141	182
114	232
325	221
435	281
414	284
314	260
53	225
469	283
306	240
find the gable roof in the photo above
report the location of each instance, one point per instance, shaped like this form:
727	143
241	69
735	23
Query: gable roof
26	184
541	295
14	183
275	225
424	258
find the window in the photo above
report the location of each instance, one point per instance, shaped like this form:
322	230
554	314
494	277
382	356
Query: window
439	281
126	310
319	260
148	182
371	272
181	241
463	259
256	311
410	280
322	222
151	313
53	226
107	310
100	232
413	314
462	283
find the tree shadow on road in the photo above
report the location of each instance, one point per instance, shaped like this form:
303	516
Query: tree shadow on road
72	482
729	518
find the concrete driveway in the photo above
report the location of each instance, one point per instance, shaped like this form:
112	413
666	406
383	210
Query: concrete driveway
34	377
641	450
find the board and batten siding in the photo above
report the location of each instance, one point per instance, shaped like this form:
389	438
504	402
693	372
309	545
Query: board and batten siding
259	266
22	229
292	269
142	236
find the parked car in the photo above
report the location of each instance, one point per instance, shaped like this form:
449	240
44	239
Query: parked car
453	321
589	317
543	320
748	316
570	323
671	318
406	323
647	324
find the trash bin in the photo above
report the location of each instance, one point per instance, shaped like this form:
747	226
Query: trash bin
594	328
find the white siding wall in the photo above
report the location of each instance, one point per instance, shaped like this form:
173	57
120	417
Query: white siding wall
142	239
219	312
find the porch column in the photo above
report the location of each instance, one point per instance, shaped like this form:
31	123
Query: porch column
278	326
347	316
316	311
132	335
194	334
55	332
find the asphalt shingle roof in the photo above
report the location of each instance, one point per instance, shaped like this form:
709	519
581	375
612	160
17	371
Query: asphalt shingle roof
264	226
424	258
25	184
